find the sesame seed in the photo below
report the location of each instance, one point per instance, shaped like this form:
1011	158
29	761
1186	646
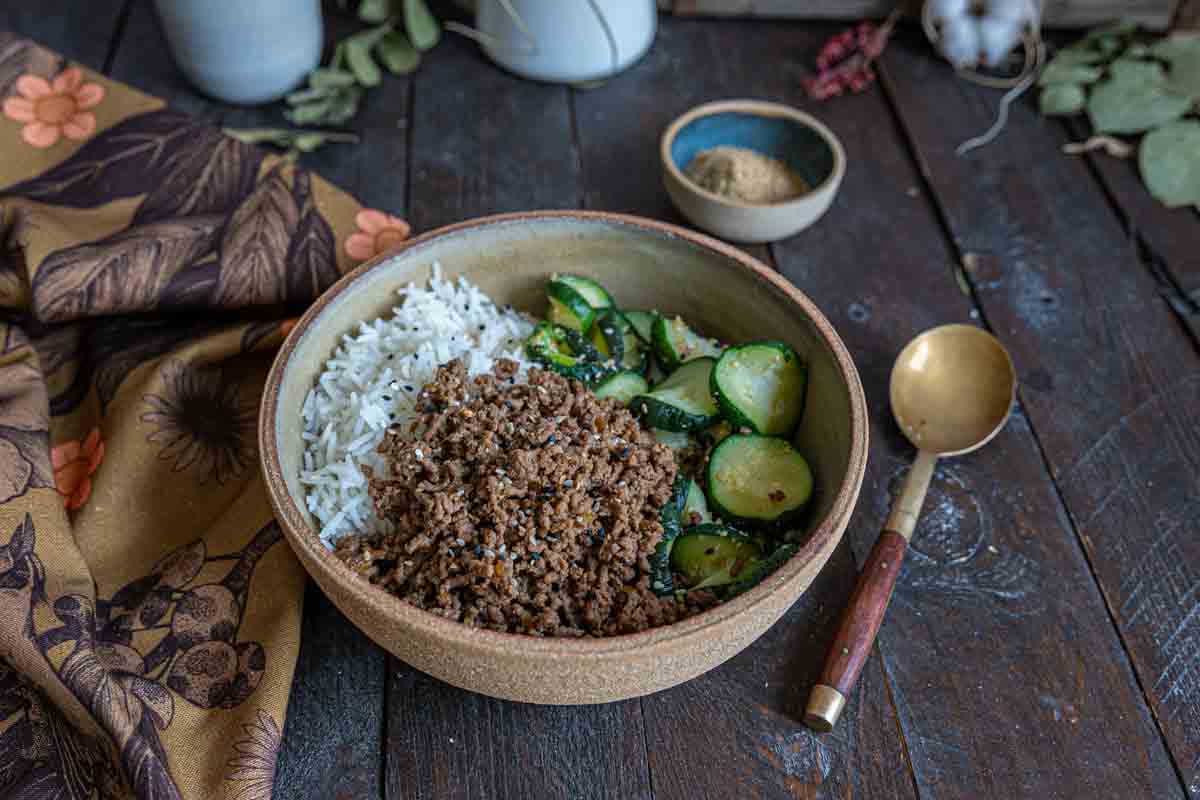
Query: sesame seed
418	454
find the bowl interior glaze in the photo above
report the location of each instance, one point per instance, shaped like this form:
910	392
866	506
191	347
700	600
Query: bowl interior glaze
720	291
798	145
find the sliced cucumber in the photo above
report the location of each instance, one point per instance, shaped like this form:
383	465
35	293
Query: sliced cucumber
675	343
695	506
755	575
596	295
566	352
575	301
613	335
683	402
662	582
562	314
718	432
761	386
757	479
643	323
623	386
676	440
713	555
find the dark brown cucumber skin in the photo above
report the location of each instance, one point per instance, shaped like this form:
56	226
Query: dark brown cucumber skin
662	581
589	367
731	412
719	510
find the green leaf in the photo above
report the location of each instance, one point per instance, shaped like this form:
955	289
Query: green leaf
1077	55
314	113
1069	73
366	71
302	96
1182	52
374	11
304	141
344	106
330	78
397	53
1062	98
1169	159
1136	97
424	30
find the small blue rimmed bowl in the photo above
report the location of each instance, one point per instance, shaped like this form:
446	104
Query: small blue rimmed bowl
772	129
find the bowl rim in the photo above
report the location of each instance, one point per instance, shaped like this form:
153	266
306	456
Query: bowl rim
305	540
760	108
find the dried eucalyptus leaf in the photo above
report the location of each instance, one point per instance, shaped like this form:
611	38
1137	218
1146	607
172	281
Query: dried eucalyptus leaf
1069	73
1062	98
259	135
302	96
424	30
397	53
1078	55
374	11
344	106
304	141
1182	52
1169	159
330	78
314	113
366	71
1135	98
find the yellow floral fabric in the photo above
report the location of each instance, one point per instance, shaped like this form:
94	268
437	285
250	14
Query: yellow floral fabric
149	267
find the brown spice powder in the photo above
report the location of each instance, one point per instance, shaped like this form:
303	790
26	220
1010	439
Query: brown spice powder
745	175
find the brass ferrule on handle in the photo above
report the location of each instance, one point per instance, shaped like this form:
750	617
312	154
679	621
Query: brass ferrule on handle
906	510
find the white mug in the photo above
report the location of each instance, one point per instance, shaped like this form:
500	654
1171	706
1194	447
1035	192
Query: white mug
567	41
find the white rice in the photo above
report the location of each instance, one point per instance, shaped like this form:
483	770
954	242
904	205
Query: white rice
372	383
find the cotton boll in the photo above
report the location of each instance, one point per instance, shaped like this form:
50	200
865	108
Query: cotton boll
997	38
960	41
1021	12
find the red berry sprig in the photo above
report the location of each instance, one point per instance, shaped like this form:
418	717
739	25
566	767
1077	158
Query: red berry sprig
844	62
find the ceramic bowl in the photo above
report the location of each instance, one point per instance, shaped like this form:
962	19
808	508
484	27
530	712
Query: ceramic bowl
644	264
775	130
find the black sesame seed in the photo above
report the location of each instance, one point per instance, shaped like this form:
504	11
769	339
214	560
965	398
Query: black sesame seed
478	550
407	388
482	327
534	556
387	398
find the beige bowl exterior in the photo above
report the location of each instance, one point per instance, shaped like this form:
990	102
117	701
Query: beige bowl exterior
644	264
743	222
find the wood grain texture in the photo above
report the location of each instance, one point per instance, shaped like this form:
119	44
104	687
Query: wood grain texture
744	716
1168	239
483	142
864	613
83	35
1109	381
996	623
332	739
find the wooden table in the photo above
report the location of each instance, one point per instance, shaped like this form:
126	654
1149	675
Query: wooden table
1044	640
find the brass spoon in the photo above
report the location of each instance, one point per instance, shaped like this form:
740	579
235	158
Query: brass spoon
952	390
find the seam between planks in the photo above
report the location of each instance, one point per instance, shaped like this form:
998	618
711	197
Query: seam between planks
968	283
576	145
885	675
117	34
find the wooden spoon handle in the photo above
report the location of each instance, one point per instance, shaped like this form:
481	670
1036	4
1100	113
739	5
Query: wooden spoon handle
856	636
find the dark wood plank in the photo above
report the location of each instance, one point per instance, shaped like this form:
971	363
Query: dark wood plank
334	730
1170	238
143	60
997	642
1110	384
82	34
486	142
483	142
744	716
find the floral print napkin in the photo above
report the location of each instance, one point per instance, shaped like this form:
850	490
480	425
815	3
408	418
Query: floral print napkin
149	267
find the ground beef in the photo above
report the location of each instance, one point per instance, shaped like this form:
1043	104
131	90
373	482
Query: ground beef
527	508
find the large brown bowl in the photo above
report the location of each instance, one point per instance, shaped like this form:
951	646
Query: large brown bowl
644	264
